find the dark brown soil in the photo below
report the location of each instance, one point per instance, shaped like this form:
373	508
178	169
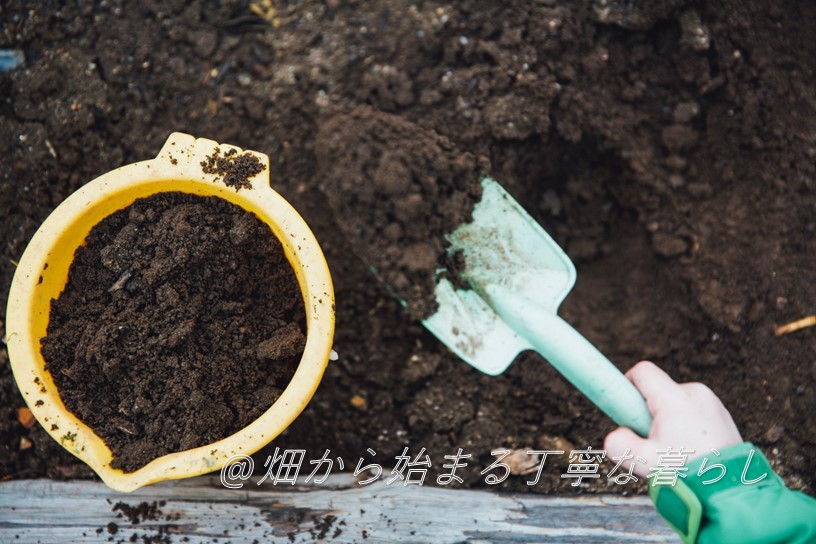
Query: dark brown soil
134	515
234	169
181	323
395	203
144	511
668	146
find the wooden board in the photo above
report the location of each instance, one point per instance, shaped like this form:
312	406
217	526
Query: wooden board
201	510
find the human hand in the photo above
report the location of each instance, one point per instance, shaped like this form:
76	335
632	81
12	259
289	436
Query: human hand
687	415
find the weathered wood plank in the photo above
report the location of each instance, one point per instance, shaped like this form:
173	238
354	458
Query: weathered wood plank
202	511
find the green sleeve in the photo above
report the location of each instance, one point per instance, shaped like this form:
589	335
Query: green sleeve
733	509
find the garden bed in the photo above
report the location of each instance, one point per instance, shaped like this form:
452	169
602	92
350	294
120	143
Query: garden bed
669	149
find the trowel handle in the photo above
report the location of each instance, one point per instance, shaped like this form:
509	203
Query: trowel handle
576	359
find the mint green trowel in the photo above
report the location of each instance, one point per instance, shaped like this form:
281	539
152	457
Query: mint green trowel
518	277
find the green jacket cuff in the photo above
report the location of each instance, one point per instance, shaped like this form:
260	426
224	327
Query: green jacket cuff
683	505
738	465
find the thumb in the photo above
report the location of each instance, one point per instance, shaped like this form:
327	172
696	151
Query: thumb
622	439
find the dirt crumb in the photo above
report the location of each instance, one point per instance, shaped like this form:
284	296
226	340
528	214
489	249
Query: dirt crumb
235	170
144	511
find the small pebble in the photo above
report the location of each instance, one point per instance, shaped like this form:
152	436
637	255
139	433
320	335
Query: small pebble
10	59
520	462
548	442
358	402
774	433
25	417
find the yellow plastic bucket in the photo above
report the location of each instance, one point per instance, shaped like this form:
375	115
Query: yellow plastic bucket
42	274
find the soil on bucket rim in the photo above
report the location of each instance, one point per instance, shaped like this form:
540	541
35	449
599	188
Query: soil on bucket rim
181	323
667	146
234	168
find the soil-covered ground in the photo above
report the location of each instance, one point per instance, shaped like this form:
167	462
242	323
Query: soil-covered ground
668	146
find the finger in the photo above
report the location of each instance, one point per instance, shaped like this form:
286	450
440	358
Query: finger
655	385
624	442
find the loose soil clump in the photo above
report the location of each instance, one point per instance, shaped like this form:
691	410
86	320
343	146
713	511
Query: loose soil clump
235	169
180	324
396	191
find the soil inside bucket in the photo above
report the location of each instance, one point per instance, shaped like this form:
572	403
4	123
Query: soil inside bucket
180	324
